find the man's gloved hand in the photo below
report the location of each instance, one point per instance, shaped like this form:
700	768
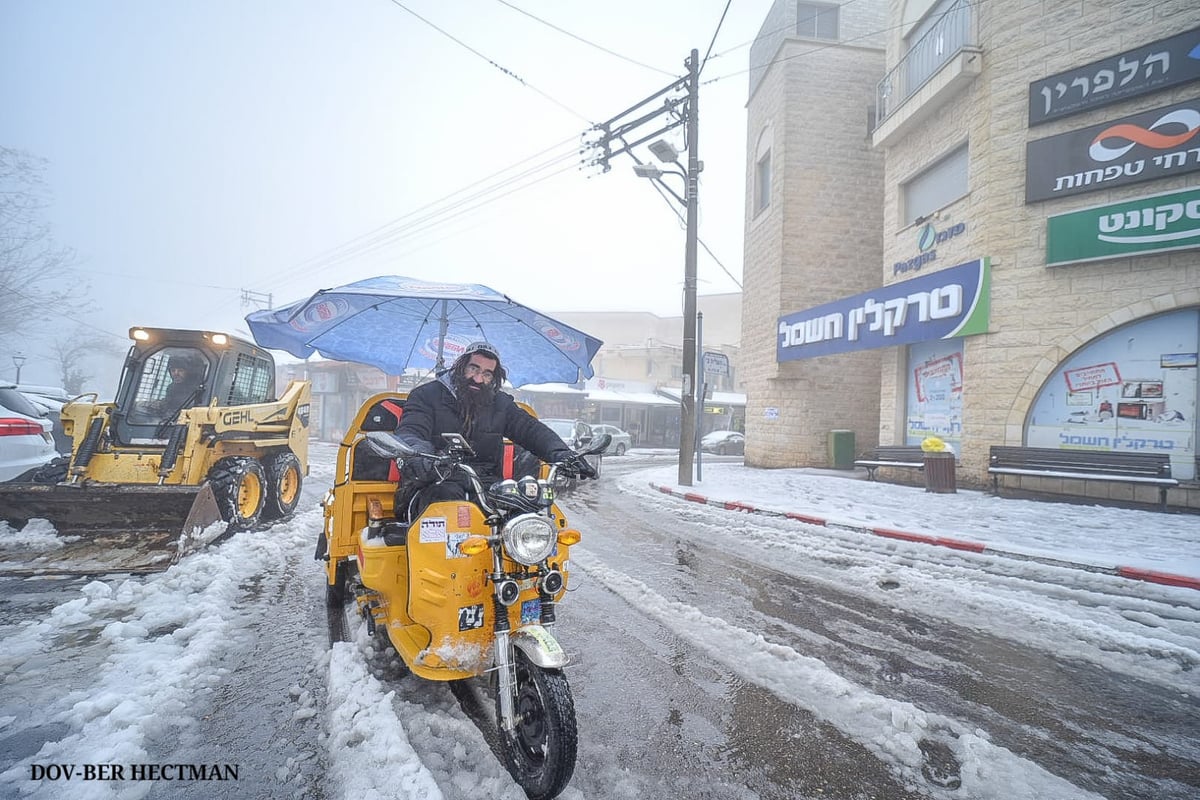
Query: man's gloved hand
581	466
418	470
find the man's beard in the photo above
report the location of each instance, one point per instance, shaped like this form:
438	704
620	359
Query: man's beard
472	398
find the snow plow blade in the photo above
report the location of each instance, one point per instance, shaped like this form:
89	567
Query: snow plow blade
91	529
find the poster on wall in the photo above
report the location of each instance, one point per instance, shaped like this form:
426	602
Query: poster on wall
1132	389
935	382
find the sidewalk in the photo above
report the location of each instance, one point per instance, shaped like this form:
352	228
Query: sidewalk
1142	545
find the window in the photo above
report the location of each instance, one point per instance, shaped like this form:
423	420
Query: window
762	183
816	21
936	187
761	190
252	380
943	31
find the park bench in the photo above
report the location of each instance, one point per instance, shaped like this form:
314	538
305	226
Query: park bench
1093	465
903	456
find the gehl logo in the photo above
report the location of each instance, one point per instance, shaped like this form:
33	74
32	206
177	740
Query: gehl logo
231	418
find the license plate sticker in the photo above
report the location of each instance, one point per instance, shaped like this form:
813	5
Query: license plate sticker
531	612
470	617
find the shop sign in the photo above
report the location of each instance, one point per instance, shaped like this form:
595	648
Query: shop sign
940	305
1155	144
1152	224
1159	65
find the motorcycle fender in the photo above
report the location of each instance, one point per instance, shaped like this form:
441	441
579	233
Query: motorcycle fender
542	649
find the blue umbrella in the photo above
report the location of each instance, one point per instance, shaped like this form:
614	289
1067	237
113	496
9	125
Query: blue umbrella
392	322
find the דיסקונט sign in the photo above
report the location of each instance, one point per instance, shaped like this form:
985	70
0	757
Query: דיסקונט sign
1152	224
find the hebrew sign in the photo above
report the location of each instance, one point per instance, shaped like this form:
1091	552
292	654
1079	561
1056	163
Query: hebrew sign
1167	62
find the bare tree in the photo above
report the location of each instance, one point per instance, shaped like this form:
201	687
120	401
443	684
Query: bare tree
72	354
35	272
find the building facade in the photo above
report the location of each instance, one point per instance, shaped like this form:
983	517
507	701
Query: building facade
1036	279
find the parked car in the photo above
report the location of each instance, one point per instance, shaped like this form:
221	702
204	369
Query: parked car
26	443
621	441
723	443
49	400
575	432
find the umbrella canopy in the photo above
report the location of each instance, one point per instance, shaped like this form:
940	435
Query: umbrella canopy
392	322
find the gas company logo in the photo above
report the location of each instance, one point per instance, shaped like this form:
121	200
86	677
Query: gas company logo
1132	135
927	237
560	338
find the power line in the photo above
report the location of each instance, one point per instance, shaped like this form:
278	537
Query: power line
410	225
585	41
505	70
714	36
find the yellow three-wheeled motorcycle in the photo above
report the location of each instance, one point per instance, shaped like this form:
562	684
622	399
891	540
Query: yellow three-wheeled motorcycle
464	590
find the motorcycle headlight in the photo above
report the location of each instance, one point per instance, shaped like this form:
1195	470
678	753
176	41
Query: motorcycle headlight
529	538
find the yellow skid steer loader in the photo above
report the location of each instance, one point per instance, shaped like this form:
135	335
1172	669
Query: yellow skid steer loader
195	445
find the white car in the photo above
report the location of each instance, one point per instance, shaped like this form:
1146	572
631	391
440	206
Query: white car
25	439
49	402
621	441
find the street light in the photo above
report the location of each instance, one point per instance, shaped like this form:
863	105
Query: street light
19	361
655	174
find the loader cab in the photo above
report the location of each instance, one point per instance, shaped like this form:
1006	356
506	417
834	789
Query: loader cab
168	372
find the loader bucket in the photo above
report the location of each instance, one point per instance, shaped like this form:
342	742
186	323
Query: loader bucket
89	529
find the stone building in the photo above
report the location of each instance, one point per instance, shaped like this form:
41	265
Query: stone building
1024	192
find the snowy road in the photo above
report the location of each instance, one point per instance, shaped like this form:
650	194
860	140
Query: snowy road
720	656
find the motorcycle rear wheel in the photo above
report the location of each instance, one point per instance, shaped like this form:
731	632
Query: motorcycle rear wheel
540	752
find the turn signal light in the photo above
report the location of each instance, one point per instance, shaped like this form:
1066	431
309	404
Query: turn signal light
473	545
569	536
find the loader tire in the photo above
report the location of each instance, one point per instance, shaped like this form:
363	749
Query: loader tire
285	478
240	486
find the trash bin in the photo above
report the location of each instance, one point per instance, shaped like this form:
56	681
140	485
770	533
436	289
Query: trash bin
939	472
841	449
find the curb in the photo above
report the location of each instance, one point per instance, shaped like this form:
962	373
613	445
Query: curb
1131	573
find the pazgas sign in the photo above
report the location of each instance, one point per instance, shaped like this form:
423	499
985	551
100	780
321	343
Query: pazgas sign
1142	147
1159	65
1152	224
941	305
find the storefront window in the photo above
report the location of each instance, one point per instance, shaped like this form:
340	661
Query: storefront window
1134	388
935	382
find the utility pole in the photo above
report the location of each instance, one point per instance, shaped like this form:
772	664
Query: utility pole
687	411
256	299
615	130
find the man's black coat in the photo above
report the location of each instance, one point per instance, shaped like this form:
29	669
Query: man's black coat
432	409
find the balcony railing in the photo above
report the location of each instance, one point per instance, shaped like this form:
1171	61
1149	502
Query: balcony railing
940	43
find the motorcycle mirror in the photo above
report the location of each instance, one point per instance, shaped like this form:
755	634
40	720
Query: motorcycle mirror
387	445
600	444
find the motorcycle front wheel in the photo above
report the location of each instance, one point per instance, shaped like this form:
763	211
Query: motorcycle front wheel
540	752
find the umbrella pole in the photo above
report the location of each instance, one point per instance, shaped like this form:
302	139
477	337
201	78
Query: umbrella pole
443	326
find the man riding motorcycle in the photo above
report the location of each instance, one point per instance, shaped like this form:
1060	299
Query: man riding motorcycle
466	399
